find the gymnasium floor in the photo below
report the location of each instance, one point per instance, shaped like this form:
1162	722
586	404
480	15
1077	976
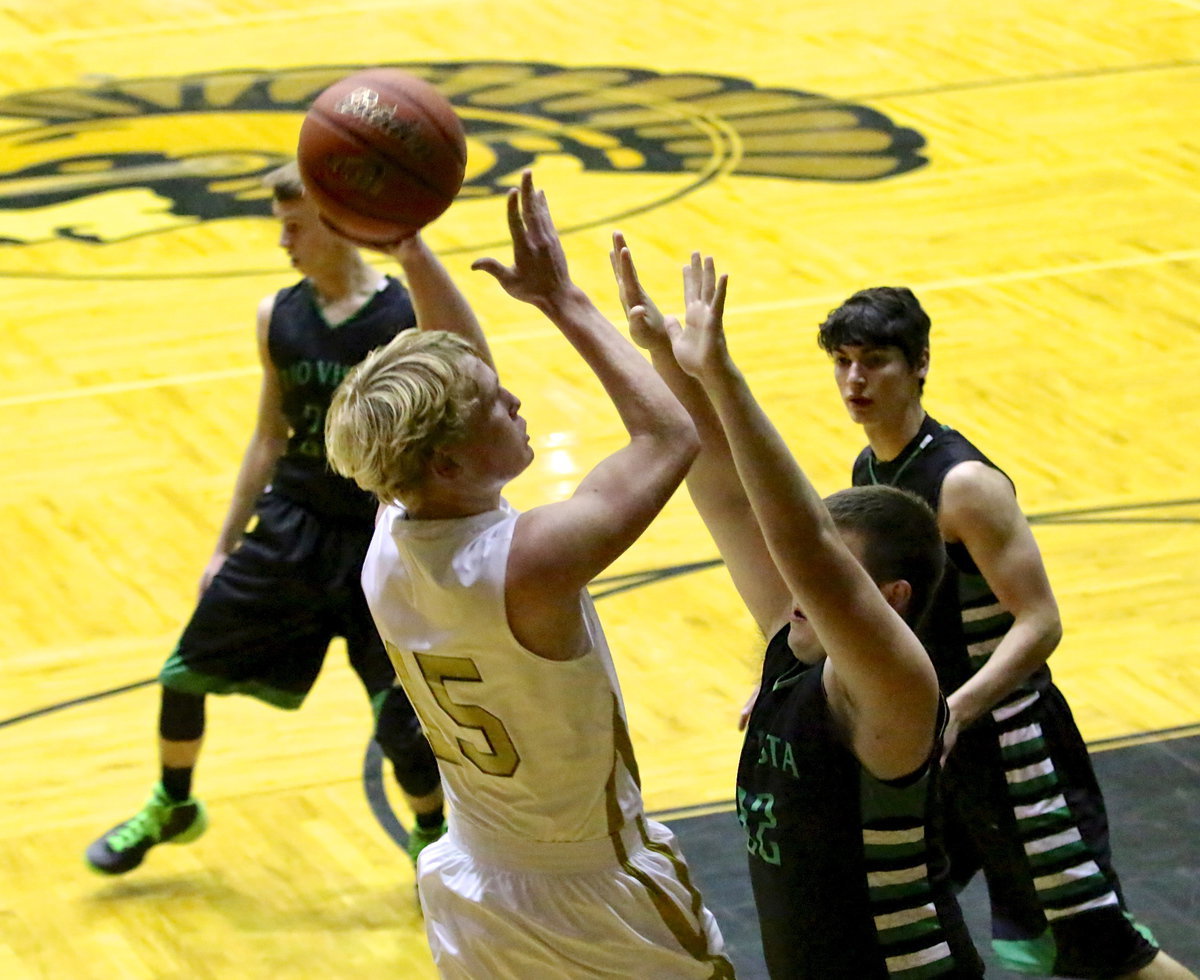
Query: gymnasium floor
1029	169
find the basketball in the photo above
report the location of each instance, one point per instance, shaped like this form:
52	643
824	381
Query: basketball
382	153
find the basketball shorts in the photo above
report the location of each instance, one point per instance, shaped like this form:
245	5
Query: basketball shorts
263	625
517	915
1023	805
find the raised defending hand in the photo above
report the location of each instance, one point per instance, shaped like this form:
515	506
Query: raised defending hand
539	273
647	325
700	346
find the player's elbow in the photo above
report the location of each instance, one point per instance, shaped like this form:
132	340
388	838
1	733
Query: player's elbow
1052	631
678	438
666	451
268	444
1043	621
1042	631
689	442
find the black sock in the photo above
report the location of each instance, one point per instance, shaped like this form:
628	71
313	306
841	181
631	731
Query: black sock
177	783
428	821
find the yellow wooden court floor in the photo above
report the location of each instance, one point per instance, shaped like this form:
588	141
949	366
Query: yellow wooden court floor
1029	169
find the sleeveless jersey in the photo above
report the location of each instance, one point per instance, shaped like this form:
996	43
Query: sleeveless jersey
966	621
848	872
1019	788
531	751
311	358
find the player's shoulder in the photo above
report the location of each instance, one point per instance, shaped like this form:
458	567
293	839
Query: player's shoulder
264	315
281	298
949	440
266	307
975	485
951	454
395	291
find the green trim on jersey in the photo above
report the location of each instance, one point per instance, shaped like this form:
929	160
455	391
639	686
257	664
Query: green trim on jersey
895	852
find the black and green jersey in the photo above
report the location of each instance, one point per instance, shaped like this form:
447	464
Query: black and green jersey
1020	799
312	357
848	872
966	621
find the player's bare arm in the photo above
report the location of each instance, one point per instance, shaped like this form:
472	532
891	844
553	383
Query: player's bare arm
712	480
267	444
559	548
881	682
979	508
439	303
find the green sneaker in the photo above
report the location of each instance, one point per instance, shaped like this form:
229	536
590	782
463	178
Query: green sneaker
420	838
161	821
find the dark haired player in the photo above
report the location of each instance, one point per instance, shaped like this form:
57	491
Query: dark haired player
1022	802
838	772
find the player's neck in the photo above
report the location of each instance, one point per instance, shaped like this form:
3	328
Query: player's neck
888	437
349	283
442	505
443	510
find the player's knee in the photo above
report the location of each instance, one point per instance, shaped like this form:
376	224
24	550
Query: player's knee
404	744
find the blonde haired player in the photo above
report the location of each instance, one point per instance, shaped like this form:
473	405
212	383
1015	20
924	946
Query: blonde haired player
550	867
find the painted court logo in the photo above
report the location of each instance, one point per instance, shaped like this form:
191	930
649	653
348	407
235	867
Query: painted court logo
161	176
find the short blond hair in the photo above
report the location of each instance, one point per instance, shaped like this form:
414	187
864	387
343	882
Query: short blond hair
397	407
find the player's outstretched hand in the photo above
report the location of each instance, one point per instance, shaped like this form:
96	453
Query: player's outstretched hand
700	346
539	273
647	325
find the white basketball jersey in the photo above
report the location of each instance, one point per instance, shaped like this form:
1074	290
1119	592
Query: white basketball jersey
530	750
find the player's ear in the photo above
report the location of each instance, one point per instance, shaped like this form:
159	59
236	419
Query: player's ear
922	367
898	595
443	466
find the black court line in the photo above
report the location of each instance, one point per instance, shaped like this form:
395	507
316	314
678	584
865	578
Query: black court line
616	584
1072	75
1124	520
1105	514
74	702
372	776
